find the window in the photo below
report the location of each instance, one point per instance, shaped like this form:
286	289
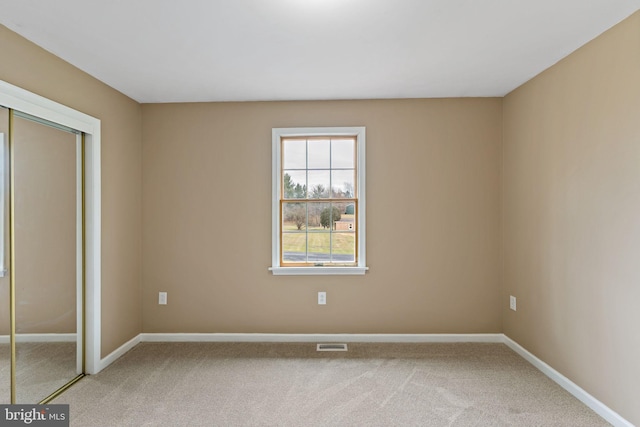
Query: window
318	201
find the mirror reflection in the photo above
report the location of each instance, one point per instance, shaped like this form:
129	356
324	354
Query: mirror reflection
47	263
5	352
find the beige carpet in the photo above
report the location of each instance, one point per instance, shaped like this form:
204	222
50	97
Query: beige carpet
5	373
42	368
250	384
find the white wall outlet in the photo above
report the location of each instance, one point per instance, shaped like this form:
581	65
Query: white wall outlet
322	298
512	302
162	298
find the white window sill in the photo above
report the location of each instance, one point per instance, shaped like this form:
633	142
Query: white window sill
317	271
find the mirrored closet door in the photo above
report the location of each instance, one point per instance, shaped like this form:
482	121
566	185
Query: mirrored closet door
45	228
5	290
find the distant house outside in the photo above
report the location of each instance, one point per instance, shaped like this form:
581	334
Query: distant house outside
347	223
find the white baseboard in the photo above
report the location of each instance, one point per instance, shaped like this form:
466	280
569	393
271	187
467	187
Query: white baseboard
598	407
372	338
4	339
117	353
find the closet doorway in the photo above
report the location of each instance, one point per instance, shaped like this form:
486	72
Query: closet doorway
49	251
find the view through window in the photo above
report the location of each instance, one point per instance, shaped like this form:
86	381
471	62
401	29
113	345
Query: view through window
319	203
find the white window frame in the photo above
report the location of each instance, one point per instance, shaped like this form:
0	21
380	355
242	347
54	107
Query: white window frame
277	135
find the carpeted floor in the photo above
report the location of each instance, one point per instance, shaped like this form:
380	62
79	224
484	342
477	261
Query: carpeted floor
261	384
42	368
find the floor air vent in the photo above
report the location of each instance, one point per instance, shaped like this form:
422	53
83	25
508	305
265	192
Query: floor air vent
332	347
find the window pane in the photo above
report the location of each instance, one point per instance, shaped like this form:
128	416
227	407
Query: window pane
294	217
319	184
343	247
343	184
294	184
330	215
319	154
319	246
347	218
294	154
294	247
315	216
343	154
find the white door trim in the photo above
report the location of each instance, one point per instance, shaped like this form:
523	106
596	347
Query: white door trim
22	100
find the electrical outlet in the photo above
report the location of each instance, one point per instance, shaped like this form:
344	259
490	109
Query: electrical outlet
162	298
512	303
322	298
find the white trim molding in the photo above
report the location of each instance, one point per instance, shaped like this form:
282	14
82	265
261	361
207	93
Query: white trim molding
364	338
24	338
315	271
598	407
22	100
119	352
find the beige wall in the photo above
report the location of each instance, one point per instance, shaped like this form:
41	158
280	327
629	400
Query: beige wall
207	219
30	67
572	217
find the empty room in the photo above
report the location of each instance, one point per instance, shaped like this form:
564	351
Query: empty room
304	212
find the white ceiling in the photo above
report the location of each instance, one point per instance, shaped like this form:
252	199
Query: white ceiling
239	50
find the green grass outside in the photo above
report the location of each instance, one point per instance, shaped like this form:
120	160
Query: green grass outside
343	243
